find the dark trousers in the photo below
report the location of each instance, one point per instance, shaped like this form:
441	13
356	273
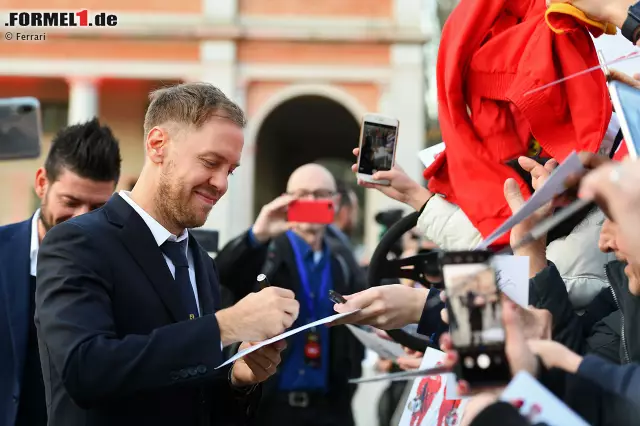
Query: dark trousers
320	410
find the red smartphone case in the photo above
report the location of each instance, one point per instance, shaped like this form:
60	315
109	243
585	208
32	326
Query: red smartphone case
311	211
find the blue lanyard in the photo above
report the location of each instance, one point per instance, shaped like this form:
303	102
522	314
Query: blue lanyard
304	279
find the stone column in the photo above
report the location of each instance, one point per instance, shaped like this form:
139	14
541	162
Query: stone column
83	100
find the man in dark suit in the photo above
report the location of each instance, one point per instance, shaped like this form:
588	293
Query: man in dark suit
79	175
126	299
346	219
311	388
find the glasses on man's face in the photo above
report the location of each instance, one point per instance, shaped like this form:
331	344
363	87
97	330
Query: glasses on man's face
317	194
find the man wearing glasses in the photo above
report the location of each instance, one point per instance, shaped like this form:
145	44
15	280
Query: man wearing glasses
311	386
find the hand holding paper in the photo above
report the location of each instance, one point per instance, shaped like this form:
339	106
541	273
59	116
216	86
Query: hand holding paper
282	336
385	307
554	186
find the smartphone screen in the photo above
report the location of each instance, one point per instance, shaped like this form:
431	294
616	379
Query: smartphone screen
475	317
626	100
377	147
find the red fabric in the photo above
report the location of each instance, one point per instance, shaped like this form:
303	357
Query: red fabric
622	152
491	53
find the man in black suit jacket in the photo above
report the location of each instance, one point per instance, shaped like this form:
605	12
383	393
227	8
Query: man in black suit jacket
79	175
126	299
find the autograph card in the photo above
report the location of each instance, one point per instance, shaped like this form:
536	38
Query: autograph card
427	404
537	404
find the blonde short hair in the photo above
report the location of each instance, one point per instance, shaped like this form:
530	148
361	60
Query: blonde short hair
191	104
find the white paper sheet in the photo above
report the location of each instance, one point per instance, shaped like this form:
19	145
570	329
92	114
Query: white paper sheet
553	186
428	156
384	348
284	335
512	273
537	404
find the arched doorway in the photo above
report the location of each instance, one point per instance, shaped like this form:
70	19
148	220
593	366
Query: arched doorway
303	129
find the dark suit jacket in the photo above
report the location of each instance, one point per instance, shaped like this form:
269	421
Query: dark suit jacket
115	342
239	264
15	244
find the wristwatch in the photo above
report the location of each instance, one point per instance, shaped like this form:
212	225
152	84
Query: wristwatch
631	26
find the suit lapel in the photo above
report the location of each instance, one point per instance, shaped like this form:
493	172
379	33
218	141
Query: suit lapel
206	282
138	239
14	290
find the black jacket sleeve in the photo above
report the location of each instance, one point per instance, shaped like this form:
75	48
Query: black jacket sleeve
548	291
431	324
239	263
622	380
74	315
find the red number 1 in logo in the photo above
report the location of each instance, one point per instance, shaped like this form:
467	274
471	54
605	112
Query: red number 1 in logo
84	17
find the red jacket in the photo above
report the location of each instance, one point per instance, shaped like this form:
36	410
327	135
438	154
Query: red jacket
492	52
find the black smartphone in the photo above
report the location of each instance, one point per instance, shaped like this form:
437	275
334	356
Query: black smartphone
475	317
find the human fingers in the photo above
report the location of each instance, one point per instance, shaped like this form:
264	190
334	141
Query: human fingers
513	195
409	363
446	343
269	354
259	369
532	166
551	165
591	160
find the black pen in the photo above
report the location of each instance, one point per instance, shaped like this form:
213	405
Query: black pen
337	297
263	281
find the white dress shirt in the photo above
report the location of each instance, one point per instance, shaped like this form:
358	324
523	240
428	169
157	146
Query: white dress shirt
160	234
35	243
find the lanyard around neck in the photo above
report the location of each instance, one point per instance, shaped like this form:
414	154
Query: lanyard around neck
304	278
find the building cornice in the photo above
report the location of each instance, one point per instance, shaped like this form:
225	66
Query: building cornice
177	70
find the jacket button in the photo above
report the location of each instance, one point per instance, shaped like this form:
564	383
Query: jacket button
193	371
202	369
184	374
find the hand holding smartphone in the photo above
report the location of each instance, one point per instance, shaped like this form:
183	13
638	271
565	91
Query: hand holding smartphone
475	317
378	141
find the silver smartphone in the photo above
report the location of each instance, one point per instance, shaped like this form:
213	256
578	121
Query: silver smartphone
20	128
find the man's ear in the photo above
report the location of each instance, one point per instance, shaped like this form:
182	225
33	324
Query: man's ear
156	144
41	183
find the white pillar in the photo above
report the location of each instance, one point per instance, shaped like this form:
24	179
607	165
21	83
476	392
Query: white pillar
219	63
83	100
244	177
403	98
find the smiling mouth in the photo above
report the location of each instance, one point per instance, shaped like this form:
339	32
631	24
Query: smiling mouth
207	198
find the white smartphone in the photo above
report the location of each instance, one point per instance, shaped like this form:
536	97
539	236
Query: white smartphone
626	101
20	128
378	141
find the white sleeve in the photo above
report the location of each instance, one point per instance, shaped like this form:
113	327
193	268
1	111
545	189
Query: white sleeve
447	226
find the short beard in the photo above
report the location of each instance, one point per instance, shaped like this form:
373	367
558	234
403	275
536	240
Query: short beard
169	207
43	214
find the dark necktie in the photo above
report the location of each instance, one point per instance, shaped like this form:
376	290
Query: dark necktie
177	253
